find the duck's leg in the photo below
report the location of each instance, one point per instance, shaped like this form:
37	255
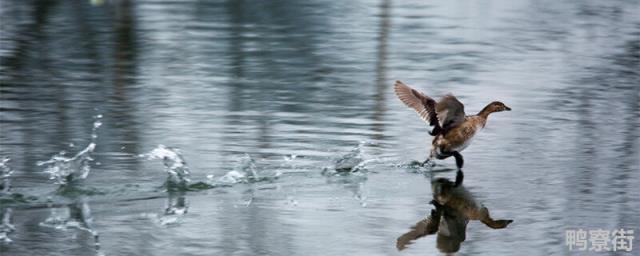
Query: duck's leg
459	159
429	160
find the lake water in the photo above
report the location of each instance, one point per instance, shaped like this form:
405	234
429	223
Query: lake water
263	97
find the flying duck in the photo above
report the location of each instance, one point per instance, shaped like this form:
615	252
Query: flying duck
453	130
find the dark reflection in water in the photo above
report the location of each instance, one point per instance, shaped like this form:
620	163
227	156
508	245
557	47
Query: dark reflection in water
454	207
297	84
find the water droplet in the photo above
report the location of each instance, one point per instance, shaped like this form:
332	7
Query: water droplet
65	169
174	163
6	227
5	176
350	161
290	157
233	177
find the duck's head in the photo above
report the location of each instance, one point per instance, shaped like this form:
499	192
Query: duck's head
497	106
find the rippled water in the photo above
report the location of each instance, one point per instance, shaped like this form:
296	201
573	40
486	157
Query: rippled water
257	102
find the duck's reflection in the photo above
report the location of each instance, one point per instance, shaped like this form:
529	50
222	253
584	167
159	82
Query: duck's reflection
77	215
454	207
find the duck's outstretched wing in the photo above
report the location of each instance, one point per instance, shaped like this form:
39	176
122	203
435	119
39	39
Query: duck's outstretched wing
450	112
424	105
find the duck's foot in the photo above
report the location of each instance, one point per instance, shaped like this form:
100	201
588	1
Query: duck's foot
427	163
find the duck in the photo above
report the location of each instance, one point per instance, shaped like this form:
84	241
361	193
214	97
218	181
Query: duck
453	130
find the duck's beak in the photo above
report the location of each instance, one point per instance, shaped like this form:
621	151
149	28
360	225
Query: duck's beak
507	108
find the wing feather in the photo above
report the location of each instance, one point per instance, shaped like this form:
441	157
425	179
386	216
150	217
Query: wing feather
422	104
450	112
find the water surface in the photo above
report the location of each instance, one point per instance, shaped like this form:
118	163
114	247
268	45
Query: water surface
282	89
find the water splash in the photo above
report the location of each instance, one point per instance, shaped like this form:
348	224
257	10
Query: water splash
352	162
5	176
246	171
247	166
7	197
233	177
5	225
5	213
96	124
68	169
290	158
174	164
415	166
349	161
65	170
